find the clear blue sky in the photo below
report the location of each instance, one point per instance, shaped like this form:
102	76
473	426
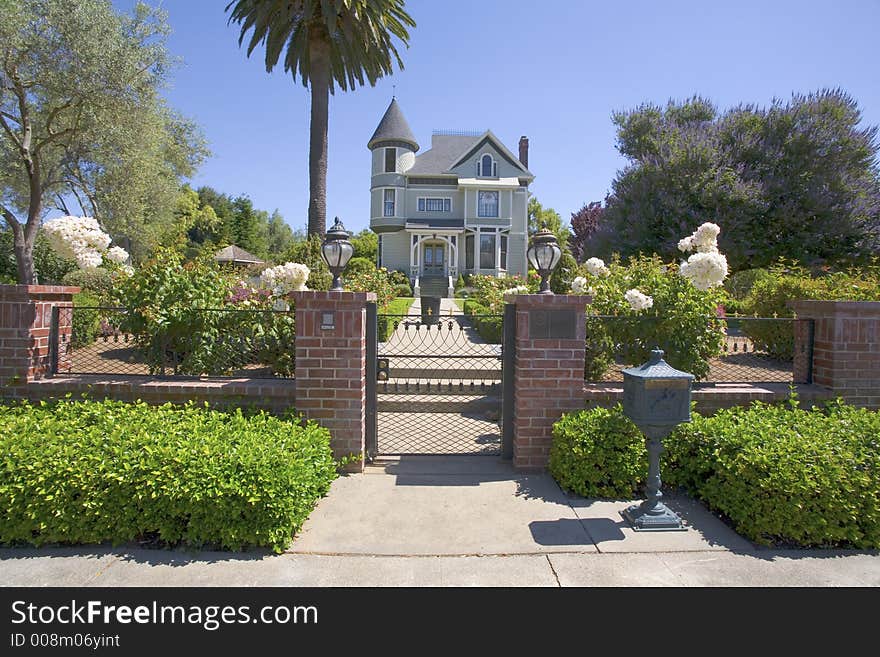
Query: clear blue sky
551	70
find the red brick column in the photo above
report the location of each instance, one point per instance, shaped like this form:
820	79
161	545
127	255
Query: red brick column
330	365
25	326
846	347
549	370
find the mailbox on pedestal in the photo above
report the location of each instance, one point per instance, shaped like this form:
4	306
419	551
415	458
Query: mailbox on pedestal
657	398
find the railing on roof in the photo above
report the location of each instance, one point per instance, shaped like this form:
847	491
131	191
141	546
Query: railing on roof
456	133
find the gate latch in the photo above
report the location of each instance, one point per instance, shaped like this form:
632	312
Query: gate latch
381	369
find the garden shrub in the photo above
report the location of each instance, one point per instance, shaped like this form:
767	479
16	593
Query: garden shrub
682	320
308	253
740	284
185	317
598	453
86	320
98	281
785	282
785	475
402	290
356	265
82	472
371	280
489	326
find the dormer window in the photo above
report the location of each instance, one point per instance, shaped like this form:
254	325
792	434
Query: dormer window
487	167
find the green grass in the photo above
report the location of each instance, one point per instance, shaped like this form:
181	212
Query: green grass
399	306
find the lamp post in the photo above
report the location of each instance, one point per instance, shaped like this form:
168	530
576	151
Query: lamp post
544	254
336	251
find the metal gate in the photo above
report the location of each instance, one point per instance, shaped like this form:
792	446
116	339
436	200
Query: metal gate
436	384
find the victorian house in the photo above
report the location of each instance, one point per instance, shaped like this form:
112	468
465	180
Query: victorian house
458	207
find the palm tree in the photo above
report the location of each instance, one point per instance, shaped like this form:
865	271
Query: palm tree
326	43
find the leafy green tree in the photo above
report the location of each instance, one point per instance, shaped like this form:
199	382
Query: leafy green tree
279	236
798	179
540	217
326	43
81	119
366	245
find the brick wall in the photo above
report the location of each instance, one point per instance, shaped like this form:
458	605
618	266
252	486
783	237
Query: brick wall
846	348
549	376
25	326
331	365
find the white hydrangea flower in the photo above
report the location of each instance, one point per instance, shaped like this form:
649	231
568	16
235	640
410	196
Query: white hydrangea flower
579	285
88	259
638	301
117	254
705	270
703	240
519	289
291	276
686	244
78	238
596	267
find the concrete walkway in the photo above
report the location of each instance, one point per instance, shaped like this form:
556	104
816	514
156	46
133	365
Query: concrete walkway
460	521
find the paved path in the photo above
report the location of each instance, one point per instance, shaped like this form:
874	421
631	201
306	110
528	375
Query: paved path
445	521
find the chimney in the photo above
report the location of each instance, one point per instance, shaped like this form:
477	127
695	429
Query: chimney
524	151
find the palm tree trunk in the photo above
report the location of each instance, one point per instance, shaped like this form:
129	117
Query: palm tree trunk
320	87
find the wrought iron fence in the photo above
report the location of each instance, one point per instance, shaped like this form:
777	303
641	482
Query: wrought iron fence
200	342
439	384
716	349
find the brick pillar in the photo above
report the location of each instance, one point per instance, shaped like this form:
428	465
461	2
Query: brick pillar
846	347
548	370
330	365
25	327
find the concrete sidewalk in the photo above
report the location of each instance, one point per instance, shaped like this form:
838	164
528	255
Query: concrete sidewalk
460	521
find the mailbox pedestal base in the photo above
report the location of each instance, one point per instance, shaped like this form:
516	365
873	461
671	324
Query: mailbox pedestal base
660	518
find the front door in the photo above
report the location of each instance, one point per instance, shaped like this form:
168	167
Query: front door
433	259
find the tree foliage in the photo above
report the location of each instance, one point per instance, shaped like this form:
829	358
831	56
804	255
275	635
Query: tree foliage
83	123
325	43
586	224
797	179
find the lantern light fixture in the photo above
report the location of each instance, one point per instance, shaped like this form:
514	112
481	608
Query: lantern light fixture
337	251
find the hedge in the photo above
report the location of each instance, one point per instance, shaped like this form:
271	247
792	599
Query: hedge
781	474
598	453
488	326
785	475
84	472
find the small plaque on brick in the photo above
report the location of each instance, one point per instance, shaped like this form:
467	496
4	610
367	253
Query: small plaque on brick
558	324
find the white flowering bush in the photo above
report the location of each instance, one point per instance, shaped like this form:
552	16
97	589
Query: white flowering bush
638	301
707	267
596	267
645	303
289	277
82	239
117	254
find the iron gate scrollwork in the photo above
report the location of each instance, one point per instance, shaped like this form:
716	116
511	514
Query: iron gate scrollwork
438	384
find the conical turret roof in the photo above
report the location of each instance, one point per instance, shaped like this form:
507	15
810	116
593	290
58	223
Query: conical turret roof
393	127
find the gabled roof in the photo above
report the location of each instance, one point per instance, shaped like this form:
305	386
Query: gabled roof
393	127
236	254
439	158
489	137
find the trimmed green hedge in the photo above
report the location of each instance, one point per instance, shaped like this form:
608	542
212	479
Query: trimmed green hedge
598	453
94	471
785	475
488	326
781	474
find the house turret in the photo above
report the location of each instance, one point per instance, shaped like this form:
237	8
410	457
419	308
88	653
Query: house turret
394	148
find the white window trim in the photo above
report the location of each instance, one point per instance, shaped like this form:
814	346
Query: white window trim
497	205
389	216
480	165
425	198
